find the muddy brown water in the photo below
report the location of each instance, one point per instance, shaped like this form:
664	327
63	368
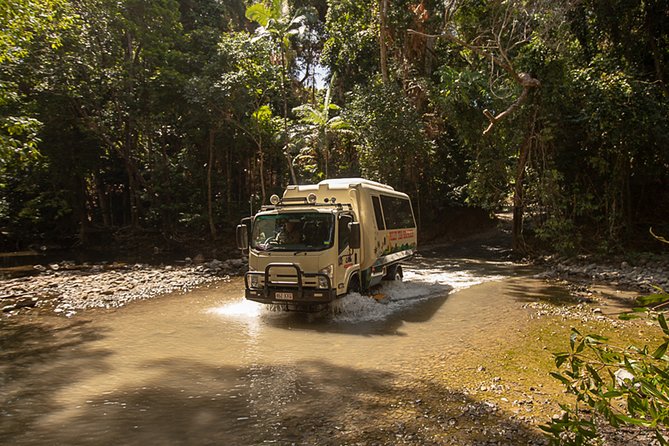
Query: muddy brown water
208	367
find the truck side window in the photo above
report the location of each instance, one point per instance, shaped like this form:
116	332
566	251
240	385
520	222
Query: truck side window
344	232
398	212
380	225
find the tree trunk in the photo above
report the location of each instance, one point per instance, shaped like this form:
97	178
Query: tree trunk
383	15
289	158
323	141
261	169
132	180
518	242
103	202
210	168
228	183
82	210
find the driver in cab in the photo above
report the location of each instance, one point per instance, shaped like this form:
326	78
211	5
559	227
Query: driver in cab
290	234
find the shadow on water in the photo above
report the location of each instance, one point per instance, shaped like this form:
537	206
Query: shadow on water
609	301
38	359
306	403
552	294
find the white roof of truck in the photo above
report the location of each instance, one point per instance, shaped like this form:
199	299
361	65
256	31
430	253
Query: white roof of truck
341	183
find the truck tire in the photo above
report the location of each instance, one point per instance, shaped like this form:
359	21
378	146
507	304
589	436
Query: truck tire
394	272
353	284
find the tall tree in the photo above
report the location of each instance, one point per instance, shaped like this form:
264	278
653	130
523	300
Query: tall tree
320	126
505	28
278	24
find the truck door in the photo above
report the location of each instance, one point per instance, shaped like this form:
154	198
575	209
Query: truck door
347	258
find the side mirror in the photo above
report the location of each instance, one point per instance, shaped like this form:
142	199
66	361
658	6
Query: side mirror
242	237
354	238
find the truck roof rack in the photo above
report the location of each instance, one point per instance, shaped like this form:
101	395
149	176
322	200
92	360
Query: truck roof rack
345	183
282	205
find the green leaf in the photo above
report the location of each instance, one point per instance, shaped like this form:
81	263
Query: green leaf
652	299
635	421
560	378
612	394
259	13
663	324
593	373
572	337
661	350
596	339
560	359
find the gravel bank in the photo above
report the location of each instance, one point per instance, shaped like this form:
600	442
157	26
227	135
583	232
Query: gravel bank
644	277
66	288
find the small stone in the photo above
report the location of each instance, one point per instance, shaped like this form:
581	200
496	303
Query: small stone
26	303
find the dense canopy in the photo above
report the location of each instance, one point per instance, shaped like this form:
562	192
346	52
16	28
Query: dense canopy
182	116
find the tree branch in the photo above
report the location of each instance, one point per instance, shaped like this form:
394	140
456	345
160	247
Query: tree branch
525	80
477	49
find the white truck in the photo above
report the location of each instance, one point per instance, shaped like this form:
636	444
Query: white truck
319	242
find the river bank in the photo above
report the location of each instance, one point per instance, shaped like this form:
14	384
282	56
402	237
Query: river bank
67	288
647	275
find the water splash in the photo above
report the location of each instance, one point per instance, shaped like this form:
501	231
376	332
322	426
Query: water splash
419	285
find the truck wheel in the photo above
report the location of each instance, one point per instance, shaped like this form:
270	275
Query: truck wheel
353	285
394	273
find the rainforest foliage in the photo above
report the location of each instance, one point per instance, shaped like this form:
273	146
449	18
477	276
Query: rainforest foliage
183	115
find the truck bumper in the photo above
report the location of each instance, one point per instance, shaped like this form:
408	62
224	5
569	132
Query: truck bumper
288	290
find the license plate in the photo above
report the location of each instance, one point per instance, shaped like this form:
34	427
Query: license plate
284	296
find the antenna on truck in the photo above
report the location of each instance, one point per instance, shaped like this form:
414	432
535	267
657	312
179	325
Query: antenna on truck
251	198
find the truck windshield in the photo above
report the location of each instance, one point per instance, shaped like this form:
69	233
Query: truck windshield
308	231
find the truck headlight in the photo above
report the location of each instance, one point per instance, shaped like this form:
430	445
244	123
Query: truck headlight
322	282
254	281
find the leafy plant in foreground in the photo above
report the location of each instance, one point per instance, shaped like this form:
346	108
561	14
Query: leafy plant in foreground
618	386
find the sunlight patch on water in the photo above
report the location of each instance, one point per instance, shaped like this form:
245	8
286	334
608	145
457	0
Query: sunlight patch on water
457	280
240	309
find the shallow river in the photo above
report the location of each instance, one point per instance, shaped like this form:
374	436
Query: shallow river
208	367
